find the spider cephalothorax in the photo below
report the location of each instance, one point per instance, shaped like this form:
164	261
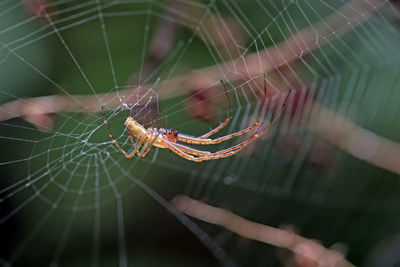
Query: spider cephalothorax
172	135
162	138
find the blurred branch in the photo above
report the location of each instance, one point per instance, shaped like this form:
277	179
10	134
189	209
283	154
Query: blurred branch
353	139
260	232
38	110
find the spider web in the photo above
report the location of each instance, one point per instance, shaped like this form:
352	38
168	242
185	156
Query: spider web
68	196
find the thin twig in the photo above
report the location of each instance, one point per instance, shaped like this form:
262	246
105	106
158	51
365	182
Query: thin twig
260	232
355	140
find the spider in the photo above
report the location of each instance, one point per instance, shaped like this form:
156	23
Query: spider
168	138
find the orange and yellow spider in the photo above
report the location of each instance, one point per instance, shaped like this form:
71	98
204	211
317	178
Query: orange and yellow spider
163	138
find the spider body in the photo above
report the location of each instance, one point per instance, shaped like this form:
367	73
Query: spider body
143	139
158	137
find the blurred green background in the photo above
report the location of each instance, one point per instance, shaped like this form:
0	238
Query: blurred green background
76	189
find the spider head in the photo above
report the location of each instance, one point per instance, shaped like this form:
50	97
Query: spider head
172	135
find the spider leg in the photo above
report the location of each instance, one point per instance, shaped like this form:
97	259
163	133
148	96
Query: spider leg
128	156
222	125
154	120
139	144
189	150
131	138
146	148
203	141
195	140
188	153
245	143
173	147
198	141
